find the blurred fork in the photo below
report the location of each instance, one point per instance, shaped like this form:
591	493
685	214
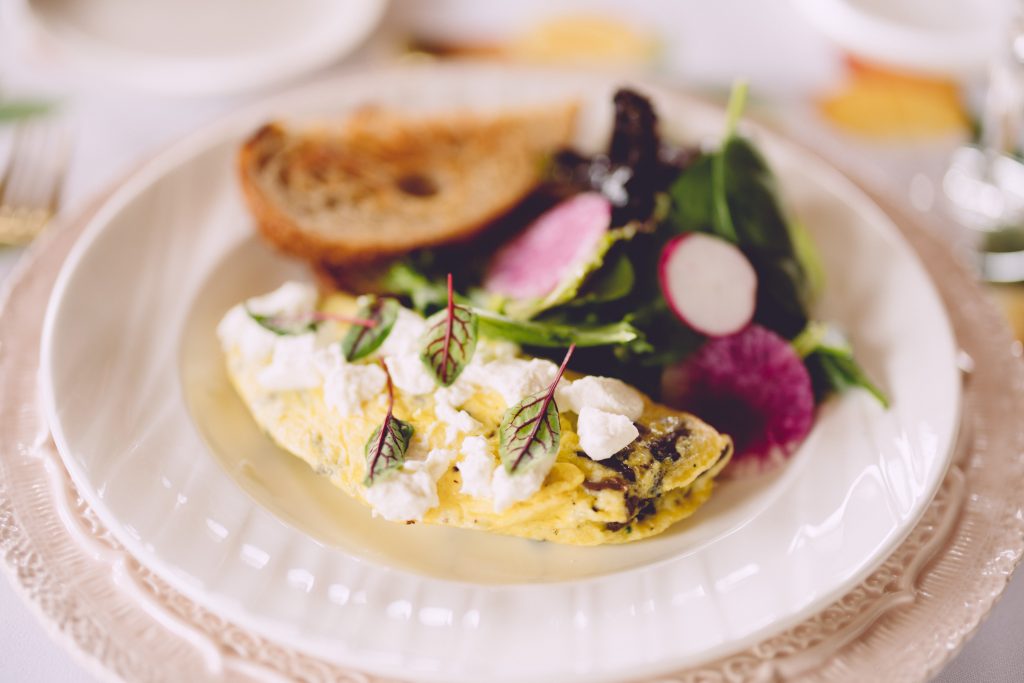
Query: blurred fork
31	183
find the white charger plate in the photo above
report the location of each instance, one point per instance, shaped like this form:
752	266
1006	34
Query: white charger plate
158	445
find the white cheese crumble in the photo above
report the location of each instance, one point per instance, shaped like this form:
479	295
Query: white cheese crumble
347	386
476	467
291	298
238	330
603	434
408	494
509	489
404	338
293	366
409	374
513	378
604	393
491	349
455	422
253	341
457	394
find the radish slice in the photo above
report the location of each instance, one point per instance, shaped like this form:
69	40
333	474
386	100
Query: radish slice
709	284
534	263
752	386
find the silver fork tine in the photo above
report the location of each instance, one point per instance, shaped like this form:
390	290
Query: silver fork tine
9	167
31	187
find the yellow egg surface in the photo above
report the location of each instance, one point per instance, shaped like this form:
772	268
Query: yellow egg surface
659	479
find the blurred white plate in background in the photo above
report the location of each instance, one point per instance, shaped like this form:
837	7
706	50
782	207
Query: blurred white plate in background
196	47
941	37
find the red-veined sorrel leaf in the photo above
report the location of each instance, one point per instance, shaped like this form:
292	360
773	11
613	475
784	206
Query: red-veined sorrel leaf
530	430
362	340
304	322
450	340
386	447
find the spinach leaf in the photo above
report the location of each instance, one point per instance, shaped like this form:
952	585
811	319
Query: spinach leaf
612	282
830	362
731	193
836	370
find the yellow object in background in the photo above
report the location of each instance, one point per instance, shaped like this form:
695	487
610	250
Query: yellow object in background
879	103
576	39
584	39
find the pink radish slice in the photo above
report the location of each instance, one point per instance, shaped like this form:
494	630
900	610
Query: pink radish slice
752	386
709	283
535	261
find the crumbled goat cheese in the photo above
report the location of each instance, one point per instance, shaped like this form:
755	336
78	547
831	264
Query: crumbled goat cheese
404	338
508	489
604	393
406	495
457	394
293	366
409	374
476	467
603	434
460	420
238	330
348	385
513	378
291	298
255	342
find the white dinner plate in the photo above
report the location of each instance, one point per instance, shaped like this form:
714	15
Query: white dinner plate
160	447
198	47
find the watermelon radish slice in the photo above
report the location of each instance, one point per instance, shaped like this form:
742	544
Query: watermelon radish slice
709	283
752	386
535	261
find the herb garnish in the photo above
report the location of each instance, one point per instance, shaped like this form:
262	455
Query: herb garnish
530	430
363	340
450	340
284	325
830	362
386	447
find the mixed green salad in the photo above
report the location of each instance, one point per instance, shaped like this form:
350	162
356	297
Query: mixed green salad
674	268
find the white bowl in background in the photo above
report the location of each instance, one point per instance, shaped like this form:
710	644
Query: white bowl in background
196	47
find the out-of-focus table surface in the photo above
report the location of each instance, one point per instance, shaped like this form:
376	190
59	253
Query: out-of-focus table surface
767	42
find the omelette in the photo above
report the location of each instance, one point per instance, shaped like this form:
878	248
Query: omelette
625	468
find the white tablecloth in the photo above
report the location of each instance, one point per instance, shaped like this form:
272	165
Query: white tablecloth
114	130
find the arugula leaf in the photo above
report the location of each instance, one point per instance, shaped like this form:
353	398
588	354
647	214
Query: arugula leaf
830	362
450	340
386	448
530	430
361	341
546	334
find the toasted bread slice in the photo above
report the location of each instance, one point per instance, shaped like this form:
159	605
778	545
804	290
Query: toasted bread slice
382	184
